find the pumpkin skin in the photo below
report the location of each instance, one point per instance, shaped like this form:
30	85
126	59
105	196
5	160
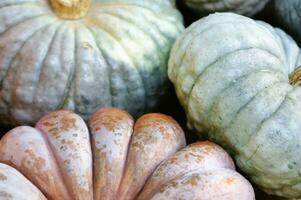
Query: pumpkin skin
243	7
115	55
231	75
288	15
58	157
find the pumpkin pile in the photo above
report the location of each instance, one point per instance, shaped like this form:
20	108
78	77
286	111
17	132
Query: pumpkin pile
61	160
83	71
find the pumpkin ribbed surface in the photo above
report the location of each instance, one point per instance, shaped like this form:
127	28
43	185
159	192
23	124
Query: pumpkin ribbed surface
120	159
115	55
244	7
231	74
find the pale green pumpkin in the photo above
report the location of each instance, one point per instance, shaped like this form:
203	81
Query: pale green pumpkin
83	55
237	80
244	7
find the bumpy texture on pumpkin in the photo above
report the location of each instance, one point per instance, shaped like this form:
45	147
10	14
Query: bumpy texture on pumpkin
244	7
231	74
118	160
116	55
288	14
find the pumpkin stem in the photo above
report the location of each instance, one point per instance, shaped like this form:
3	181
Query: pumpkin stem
295	77
70	9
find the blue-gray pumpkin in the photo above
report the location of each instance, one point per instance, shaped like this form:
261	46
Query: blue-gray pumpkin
237	80
83	55
244	7
288	14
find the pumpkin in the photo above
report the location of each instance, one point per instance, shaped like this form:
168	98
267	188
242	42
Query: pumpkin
237	80
244	7
288	16
83	55
120	159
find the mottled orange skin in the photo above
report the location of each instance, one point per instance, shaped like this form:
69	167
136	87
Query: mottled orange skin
119	159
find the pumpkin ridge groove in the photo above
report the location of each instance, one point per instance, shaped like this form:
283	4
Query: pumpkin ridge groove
21	46
139	28
209	28
150	12
71	77
51	151
187	100
22	22
42	65
8	102
134	26
23	4
108	66
134	63
217	98
267	119
231	123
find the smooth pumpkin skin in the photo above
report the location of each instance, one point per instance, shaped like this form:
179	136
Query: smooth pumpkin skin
231	75
288	15
118	159
243	7
115	55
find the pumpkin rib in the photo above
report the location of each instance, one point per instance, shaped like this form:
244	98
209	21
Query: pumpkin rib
42	65
142	11
56	61
108	66
9	177
4	85
20	4
2	75
198	155
37	12
151	39
23	85
123	66
239	80
195	31
229	126
236	114
69	84
215	62
210	28
52	152
270	117
135	25
144	67
117	39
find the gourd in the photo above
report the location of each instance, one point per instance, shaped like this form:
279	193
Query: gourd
244	7
238	81
82	55
60	160
288	15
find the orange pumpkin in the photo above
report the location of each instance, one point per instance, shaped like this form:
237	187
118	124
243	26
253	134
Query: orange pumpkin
120	160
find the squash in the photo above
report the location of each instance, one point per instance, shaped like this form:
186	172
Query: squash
238	81
83	55
116	161
288	16
244	7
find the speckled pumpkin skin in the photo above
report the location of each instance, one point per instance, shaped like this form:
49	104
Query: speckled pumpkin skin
288	15
116	55
244	7
231	74
120	159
